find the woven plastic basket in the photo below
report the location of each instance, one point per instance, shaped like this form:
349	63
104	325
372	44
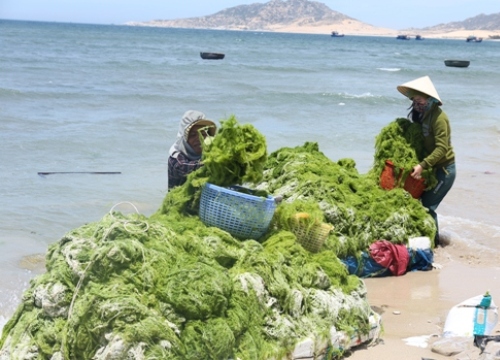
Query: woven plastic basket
312	239
310	236
242	215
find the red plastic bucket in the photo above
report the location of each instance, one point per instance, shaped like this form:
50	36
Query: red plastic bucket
414	186
388	177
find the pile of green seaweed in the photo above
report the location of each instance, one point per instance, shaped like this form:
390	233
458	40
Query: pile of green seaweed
358	208
169	287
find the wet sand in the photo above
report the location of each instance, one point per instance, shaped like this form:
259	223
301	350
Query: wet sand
415	306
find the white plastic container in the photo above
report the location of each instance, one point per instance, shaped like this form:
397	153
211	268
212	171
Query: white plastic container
421	242
469	318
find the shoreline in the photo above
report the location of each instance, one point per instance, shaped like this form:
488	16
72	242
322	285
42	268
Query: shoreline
452	35
350	30
414	306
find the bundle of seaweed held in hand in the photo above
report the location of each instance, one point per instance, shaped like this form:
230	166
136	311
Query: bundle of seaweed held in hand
401	142
237	154
169	287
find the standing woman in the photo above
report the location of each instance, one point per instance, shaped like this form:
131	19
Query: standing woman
425	110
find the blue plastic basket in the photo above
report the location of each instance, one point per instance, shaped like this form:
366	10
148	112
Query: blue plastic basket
242	215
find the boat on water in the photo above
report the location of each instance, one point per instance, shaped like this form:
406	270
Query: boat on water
419	37
211	56
494	37
457	63
403	37
472	38
337	34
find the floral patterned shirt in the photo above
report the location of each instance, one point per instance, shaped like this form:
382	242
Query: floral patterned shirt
179	167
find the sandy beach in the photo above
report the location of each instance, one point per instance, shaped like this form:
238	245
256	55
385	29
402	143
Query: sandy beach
360	29
414	307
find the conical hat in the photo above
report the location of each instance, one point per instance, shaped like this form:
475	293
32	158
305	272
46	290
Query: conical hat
423	85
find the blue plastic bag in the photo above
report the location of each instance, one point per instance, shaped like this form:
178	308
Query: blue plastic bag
365	267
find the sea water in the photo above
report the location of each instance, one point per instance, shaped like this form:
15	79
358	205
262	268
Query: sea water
82	98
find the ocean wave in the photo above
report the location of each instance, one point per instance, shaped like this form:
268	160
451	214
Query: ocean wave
7	92
359	96
389	69
367	98
277	69
475	234
494	128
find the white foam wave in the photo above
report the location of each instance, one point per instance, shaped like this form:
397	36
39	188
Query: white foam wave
389	69
473	233
355	96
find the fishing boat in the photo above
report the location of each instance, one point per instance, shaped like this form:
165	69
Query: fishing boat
457	63
211	56
419	37
403	37
472	38
337	34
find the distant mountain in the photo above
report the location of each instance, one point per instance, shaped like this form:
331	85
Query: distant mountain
479	22
306	15
268	16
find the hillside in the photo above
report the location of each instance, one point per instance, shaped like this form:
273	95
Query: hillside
479	22
305	16
276	15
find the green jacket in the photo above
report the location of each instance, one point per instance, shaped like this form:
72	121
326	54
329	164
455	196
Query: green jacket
437	140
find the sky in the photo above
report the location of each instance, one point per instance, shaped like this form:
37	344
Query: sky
391	14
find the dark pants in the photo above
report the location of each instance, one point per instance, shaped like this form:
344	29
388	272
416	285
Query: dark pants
433	197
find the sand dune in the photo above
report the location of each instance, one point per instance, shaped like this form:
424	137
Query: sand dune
348	28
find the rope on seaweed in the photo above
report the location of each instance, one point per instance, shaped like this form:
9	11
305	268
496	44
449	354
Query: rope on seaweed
127	223
117	223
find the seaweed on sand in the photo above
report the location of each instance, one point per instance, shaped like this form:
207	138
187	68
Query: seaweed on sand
169	287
